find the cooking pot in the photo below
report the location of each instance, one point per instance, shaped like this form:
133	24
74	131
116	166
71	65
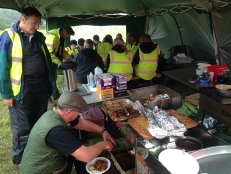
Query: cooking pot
223	90
188	143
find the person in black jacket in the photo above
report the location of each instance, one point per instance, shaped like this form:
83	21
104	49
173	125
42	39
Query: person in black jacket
86	60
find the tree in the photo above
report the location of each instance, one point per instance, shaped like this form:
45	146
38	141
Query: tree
8	17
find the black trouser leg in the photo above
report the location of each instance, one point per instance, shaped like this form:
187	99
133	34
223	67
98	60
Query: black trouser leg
54	66
24	115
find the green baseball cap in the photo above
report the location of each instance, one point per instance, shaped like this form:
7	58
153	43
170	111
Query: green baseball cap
73	101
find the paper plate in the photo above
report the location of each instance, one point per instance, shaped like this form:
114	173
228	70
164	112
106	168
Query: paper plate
179	162
93	161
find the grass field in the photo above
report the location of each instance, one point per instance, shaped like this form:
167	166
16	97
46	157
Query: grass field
6	165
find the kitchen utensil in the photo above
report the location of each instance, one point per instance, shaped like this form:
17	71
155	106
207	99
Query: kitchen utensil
188	143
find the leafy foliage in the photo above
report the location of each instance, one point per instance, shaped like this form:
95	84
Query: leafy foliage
8	17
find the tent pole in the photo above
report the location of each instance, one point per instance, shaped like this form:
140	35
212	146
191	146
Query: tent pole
178	28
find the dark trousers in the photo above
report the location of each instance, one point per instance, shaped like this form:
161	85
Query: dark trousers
24	115
79	166
54	68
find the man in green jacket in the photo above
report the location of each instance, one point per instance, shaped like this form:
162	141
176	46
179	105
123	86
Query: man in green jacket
52	144
25	76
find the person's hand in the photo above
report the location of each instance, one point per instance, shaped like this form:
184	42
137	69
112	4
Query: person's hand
108	146
9	102
108	137
158	75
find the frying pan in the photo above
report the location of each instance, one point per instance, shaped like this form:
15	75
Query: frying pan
188	143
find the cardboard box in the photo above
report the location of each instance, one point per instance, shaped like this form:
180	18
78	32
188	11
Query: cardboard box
121	93
105	94
121	86
120	78
105	80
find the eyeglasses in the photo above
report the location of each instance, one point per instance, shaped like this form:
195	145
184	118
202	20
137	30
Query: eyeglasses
70	110
34	23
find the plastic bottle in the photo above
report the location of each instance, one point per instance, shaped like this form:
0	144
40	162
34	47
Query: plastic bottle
98	70
91	80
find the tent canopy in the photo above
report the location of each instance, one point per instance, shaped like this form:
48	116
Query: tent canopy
95	8
204	25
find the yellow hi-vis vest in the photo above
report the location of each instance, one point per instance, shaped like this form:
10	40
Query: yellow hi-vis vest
103	50
17	56
132	48
120	63
52	42
16	68
146	69
71	52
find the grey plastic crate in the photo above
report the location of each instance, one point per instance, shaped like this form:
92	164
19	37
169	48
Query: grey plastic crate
140	94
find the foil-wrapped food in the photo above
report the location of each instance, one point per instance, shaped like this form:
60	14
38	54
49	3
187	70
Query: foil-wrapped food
163	124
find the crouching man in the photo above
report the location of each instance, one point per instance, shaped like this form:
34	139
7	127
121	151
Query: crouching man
51	142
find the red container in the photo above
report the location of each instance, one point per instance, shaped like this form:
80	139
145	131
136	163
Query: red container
217	69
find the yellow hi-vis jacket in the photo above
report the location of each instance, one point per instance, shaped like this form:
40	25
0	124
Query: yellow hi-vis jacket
132	48
52	41
120	63
17	57
146	69
103	50
71	52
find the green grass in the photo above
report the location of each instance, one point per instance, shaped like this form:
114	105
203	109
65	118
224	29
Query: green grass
6	165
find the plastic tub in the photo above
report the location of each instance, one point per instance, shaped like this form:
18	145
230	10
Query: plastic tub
217	69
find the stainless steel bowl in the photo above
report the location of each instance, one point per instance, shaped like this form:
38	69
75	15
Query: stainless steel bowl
224	90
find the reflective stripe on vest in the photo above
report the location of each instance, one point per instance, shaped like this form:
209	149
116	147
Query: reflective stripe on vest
145	72
120	63
51	44
16	68
17	57
103	53
146	69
